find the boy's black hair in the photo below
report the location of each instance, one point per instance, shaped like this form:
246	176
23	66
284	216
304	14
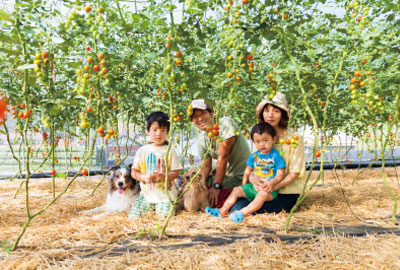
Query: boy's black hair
161	118
261	128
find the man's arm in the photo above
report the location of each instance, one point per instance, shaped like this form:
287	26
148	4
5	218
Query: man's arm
207	167
224	148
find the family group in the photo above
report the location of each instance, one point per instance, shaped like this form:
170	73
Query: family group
269	180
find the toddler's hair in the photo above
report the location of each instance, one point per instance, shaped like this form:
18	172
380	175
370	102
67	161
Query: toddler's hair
261	128
161	118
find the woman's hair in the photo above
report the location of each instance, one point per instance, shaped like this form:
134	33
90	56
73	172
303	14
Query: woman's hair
261	128
283	123
159	117
208	109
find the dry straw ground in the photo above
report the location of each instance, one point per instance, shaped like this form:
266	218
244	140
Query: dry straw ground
63	238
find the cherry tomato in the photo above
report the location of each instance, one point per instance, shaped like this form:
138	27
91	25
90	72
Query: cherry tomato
84	172
3	109
45	54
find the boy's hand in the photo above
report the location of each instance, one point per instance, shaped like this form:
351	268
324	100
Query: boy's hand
257	182
148	178
268	187
159	176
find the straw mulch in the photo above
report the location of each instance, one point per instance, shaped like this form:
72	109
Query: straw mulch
63	238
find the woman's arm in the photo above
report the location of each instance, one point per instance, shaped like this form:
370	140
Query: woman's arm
289	178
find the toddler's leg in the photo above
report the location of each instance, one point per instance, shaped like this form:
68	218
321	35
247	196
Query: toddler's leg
257	203
139	207
163	208
236	193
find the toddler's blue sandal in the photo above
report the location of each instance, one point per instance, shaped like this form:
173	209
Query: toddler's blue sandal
236	216
214	212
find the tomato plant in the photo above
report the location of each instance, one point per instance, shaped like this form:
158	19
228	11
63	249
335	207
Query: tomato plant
95	72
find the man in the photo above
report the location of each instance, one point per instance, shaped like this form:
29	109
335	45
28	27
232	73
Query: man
231	153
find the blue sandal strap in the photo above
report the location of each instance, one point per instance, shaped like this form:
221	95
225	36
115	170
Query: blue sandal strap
214	212
236	216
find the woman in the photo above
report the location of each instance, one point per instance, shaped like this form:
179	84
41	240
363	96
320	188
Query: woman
291	146
231	152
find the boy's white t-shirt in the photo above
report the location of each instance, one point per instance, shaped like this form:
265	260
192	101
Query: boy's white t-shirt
146	159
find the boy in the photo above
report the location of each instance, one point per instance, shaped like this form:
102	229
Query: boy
149	169
266	162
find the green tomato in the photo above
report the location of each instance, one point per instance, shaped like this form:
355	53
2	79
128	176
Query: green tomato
81	90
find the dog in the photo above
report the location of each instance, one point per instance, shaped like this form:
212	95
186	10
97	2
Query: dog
196	198
124	190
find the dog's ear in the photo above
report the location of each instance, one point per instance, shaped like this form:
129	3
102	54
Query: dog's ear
130	167
202	180
112	172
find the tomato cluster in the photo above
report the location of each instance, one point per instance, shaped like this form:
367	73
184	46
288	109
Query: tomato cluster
213	132
43	66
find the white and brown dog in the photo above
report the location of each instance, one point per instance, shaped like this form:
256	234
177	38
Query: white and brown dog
124	190
196	198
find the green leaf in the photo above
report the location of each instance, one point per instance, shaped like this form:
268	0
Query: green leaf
73	134
293	67
197	94
57	40
55	110
73	64
210	102
61	174
7	39
26	66
9	52
5	16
